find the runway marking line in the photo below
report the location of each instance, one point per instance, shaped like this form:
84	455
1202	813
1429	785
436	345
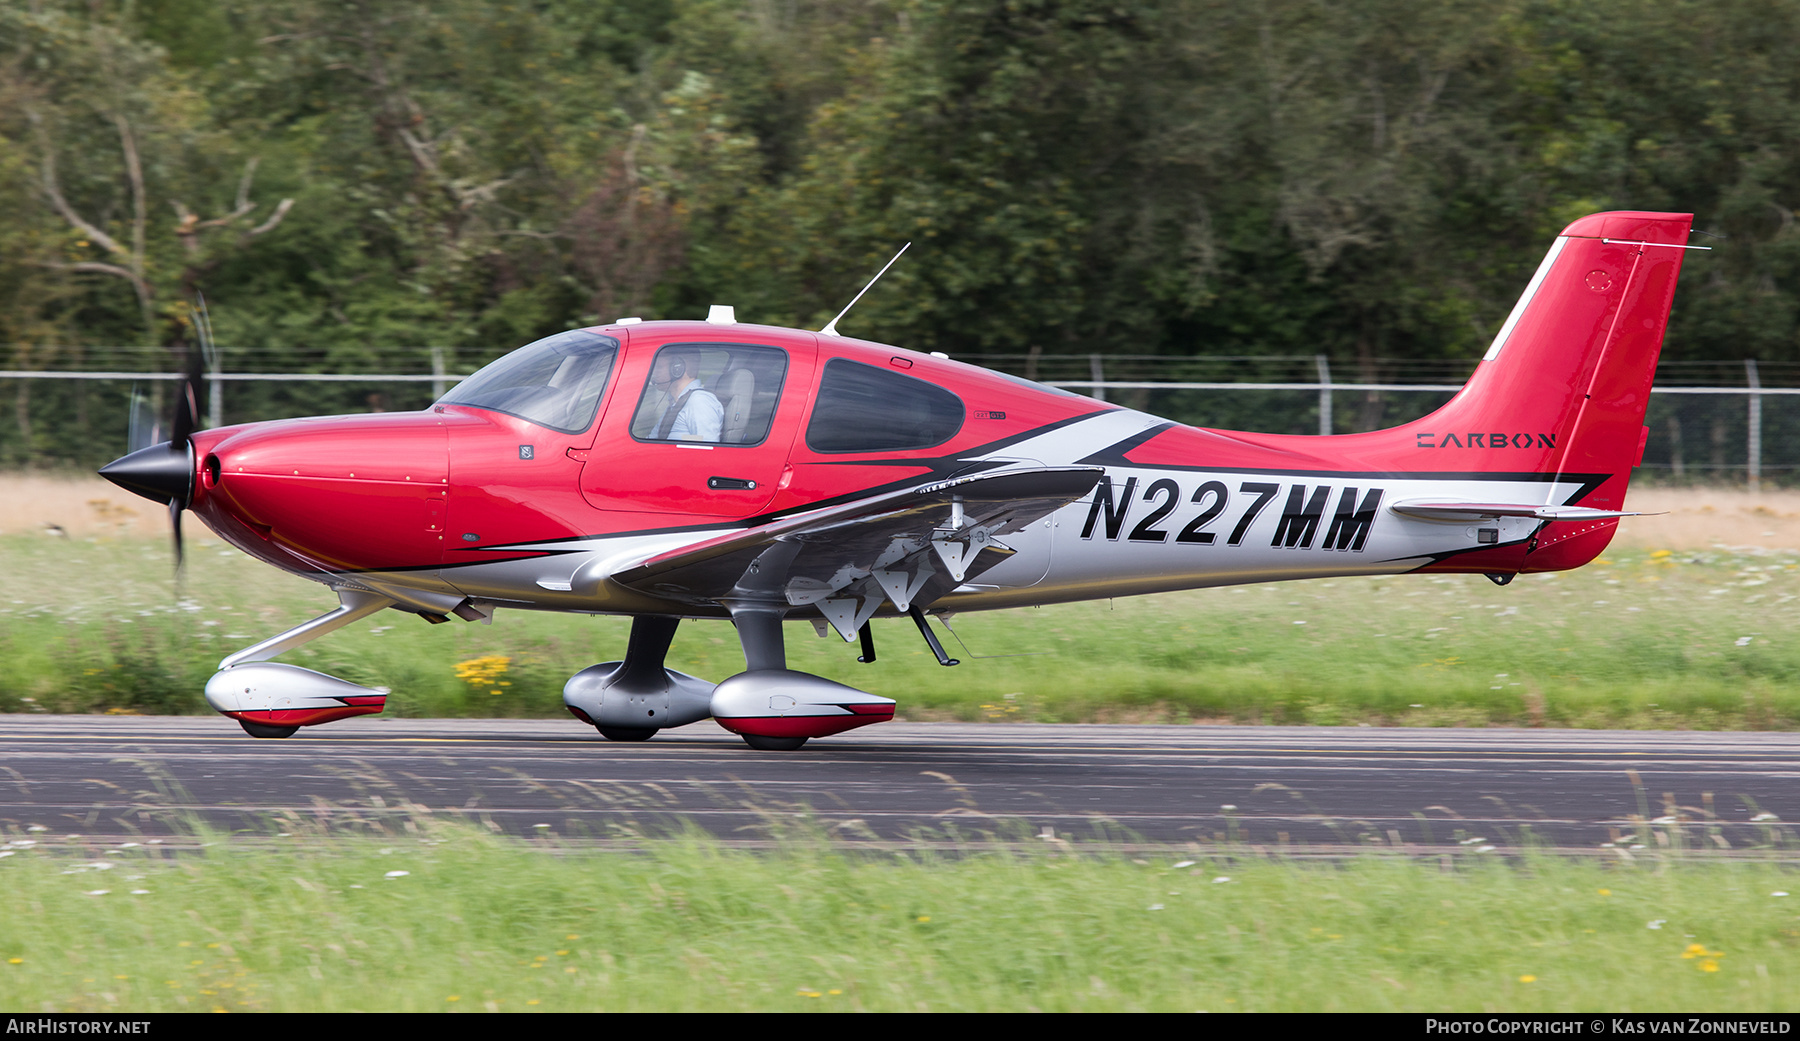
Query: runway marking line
708	745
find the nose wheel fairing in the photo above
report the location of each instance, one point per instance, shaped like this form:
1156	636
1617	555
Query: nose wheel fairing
278	695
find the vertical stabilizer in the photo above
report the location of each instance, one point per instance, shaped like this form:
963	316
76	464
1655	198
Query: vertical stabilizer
1564	387
1567	379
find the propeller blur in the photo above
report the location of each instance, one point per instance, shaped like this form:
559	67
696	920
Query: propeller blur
714	470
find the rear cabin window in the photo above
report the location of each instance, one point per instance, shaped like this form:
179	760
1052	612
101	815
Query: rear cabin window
862	408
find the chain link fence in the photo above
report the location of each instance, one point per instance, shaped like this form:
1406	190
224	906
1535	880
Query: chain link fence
1735	422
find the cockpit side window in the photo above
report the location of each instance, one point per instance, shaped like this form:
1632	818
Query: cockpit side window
862	408
713	393
555	382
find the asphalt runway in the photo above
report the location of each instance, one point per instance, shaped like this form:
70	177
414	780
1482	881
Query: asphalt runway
1318	788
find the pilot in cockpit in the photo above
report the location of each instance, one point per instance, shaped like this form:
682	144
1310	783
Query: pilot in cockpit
693	412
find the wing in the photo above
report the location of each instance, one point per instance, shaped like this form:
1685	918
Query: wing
910	546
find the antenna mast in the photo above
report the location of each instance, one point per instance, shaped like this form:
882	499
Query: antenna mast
831	326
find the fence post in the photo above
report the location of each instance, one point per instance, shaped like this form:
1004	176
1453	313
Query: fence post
215	397
437	373
1098	373
1324	393
1755	438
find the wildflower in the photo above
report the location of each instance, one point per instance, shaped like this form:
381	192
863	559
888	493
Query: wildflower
1527	979
1709	960
397	874
485	672
15	961
1221	878
1656	923
1605	892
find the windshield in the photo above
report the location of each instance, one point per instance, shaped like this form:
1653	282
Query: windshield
554	382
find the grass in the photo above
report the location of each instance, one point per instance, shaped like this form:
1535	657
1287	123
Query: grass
440	916
1643	639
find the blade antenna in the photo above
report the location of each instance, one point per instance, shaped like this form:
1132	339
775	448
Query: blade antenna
831	326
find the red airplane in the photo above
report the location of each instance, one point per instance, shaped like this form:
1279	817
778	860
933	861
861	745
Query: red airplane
711	470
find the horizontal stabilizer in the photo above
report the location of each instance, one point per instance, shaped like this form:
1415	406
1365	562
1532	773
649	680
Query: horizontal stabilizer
1440	510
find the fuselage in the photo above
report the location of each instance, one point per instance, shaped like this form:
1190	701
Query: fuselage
462	500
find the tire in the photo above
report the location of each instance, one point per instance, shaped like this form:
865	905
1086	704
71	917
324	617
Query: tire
772	744
266	731
626	733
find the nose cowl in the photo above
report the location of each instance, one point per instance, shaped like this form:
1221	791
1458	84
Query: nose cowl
163	473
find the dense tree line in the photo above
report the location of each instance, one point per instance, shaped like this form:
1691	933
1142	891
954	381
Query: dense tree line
345	178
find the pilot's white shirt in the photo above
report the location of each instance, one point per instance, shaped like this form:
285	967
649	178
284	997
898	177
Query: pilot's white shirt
702	418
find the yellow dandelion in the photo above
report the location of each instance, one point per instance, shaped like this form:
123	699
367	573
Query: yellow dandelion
484	672
1527	979
1709	966
454	997
1605	892
924	918
15	961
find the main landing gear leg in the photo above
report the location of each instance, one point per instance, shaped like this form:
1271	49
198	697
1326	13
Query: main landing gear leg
643	668
765	650
631	700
